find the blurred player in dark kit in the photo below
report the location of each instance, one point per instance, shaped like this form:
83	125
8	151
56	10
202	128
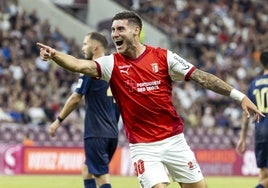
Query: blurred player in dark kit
258	93
100	124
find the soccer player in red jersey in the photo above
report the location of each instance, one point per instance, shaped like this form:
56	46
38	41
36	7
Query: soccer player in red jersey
140	78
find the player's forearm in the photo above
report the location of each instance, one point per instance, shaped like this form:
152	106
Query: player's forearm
211	82
244	128
66	61
75	65
67	109
70	105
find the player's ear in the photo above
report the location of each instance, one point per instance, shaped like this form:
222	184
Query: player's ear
137	30
95	47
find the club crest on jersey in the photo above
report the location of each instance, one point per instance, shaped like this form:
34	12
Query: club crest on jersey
154	67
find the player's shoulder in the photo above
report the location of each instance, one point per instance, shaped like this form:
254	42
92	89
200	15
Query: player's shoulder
84	77
157	51
105	58
257	78
156	48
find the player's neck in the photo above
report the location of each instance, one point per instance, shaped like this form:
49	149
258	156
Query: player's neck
97	55
135	51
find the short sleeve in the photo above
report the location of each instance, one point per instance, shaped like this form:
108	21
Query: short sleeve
106	64
179	68
83	84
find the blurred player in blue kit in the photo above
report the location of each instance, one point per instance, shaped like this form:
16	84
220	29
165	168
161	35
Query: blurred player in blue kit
258	93
100	125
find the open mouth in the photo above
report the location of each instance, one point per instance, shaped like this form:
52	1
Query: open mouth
119	43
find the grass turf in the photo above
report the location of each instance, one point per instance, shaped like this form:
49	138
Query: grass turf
71	181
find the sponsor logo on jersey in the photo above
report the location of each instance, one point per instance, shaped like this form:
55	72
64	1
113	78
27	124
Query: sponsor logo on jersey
182	62
124	69
148	86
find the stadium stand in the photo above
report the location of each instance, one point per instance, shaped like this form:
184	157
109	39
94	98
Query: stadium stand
217	37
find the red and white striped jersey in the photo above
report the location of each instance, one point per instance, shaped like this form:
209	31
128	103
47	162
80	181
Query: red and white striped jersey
143	89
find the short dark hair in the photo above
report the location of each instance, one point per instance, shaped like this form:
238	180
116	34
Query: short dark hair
131	16
264	58
99	37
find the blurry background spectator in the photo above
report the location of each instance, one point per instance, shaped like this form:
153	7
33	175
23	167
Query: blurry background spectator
223	37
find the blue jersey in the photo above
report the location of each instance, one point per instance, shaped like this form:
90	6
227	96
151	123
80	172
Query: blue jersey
102	113
258	93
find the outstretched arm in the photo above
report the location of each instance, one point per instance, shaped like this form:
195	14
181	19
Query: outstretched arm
211	82
67	61
217	85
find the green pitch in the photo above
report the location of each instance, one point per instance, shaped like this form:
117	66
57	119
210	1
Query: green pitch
57	181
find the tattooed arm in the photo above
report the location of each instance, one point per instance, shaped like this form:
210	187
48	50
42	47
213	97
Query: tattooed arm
217	85
211	82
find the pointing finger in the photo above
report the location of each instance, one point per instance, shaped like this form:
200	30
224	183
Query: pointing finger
40	45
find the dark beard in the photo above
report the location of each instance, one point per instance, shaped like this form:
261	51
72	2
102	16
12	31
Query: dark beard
90	56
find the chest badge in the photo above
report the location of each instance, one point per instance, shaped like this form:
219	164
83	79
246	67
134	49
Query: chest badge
154	67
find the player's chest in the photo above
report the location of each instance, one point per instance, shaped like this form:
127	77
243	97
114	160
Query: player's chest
141	70
141	77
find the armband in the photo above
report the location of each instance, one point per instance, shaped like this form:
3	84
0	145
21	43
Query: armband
60	119
237	95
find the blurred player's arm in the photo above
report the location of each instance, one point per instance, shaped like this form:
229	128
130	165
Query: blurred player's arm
212	82
67	61
70	105
241	144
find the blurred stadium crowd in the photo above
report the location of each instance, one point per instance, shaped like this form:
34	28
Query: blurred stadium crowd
223	37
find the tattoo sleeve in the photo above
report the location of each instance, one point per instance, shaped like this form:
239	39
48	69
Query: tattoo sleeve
211	82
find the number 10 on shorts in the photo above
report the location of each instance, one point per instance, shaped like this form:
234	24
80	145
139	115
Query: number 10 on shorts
139	167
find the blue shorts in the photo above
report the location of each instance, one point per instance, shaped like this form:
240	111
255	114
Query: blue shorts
261	152
99	152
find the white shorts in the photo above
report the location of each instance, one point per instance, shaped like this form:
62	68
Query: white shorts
155	161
